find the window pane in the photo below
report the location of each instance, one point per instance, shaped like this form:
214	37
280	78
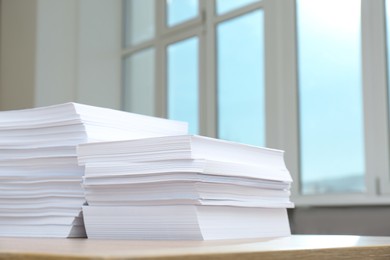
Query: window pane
330	93
240	50
139	19
183	82
224	6
179	11
139	82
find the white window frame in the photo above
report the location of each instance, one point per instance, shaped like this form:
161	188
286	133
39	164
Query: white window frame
281	87
376	95
376	121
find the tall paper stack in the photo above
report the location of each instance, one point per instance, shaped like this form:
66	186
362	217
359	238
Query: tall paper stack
184	187
40	180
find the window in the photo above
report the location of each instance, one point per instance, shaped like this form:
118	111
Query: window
139	21
240	77
138	89
180	11
183	59
182	78
305	76
330	96
225	6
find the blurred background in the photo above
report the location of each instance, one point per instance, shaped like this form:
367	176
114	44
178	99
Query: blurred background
306	76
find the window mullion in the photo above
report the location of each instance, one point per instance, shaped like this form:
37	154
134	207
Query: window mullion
281	83
202	70
375	97
160	64
209	89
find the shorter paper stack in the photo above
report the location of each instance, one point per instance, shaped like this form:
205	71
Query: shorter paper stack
184	187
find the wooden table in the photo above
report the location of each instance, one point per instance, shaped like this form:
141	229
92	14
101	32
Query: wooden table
295	247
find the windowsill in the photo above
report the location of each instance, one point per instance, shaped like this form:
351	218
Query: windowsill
340	200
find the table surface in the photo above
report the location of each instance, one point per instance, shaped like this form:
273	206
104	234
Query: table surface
294	247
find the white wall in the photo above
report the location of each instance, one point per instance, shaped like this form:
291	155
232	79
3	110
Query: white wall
17	53
55	51
99	52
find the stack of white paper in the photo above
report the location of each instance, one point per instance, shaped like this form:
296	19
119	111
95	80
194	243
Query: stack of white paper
184	187
40	180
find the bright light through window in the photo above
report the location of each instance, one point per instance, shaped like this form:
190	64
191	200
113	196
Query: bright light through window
240	56
183	82
330	96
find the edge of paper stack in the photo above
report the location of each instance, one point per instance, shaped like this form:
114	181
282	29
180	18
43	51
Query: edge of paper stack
134	177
